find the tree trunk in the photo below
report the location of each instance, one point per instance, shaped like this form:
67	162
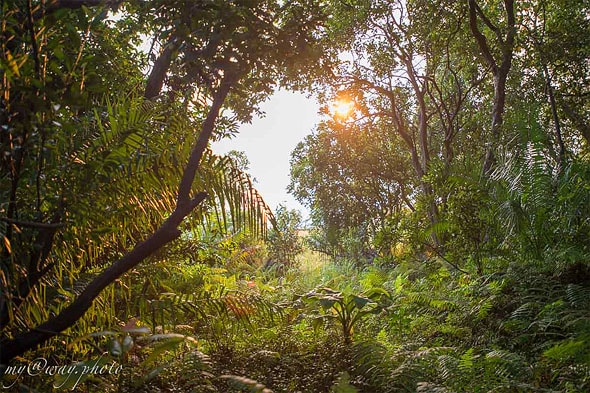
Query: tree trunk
497	120
555	115
499	71
156	79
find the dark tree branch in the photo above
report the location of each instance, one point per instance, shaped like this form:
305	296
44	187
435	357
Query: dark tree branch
419	91
156	79
201	144
436	250
508	45
54	5
31	224
37	268
33	36
577	120
394	114
555	115
68	316
489	23
165	234
481	40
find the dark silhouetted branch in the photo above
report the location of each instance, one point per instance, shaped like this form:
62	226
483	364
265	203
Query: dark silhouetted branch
166	233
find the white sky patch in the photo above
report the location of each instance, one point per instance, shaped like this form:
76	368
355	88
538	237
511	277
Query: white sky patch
269	141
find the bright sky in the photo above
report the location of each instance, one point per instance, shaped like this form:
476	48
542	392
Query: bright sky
269	141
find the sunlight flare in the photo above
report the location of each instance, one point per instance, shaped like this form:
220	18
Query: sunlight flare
342	108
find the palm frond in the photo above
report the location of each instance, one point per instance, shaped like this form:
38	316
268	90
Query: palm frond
231	306
429	387
578	296
236	202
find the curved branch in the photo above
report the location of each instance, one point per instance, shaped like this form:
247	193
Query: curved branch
165	234
489	23
55	5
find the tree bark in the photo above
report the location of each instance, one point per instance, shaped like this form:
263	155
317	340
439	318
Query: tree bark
577	120
54	5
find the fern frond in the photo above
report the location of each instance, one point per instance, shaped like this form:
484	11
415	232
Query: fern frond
369	357
506	365
577	349
448	366
526	311
578	296
243	383
428	387
242	308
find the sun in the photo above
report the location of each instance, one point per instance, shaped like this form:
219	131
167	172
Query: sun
342	108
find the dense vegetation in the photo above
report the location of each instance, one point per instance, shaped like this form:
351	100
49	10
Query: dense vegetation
448	184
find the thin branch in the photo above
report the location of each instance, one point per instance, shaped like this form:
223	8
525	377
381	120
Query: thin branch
440	255
31	224
35	47
489	23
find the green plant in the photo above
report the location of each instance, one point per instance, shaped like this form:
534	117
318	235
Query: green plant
346	308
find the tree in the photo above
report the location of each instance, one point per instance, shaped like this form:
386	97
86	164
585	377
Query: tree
412	88
499	64
351	177
556	70
283	240
215	54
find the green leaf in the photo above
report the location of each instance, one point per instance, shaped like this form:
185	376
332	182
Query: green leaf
245	383
12	64
327	302
172	341
343	384
127	343
467	360
377	293
138	330
569	349
151	375
317	323
115	348
360	301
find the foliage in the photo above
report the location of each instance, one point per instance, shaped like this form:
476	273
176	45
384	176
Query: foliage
245	383
342	385
284	242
